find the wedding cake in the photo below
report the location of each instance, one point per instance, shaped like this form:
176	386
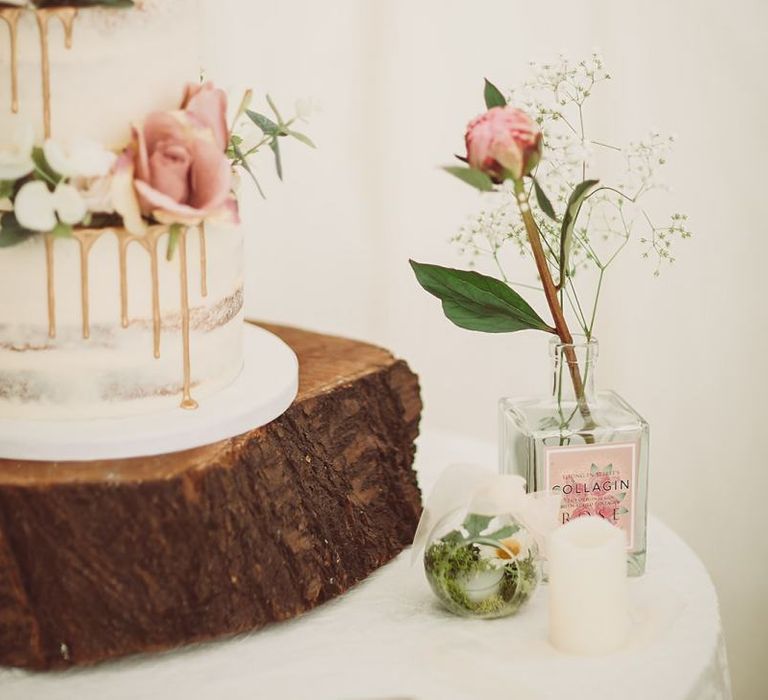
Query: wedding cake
121	258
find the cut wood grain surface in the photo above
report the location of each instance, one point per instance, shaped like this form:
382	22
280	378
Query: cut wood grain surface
107	558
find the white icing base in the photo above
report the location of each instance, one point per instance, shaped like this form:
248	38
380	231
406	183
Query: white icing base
262	391
114	372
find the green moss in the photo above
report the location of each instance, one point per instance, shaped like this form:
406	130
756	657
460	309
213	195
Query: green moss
452	561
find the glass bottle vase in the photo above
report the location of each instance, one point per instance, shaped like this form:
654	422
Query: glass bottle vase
590	446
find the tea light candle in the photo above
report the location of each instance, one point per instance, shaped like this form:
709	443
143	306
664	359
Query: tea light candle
588	602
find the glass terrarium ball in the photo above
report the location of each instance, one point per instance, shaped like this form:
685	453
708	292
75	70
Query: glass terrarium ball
482	565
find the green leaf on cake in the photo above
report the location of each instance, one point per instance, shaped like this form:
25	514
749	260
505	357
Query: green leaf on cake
6	188
173	241
477	302
477	178
493	96
43	169
11	231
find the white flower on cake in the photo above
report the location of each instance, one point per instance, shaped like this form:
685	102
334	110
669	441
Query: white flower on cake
80	158
37	208
16	159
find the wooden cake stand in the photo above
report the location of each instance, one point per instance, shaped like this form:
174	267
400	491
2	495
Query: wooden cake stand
102	559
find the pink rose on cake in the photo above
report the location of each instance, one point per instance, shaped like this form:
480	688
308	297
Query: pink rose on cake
178	164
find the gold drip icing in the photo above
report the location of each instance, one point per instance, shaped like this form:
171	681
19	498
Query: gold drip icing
151	245
149	241
49	273
11	17
187	401
86	238
66	16
203	262
122	248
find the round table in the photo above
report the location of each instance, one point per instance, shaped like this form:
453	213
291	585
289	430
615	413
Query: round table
389	639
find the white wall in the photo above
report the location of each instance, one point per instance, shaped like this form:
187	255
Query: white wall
397	81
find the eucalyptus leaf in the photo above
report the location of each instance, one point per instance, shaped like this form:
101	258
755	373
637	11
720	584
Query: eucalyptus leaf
275	146
477	178
543	201
243	162
264	123
493	96
478	302
579	194
302	137
273	107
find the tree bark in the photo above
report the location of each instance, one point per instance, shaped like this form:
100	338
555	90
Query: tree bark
109	558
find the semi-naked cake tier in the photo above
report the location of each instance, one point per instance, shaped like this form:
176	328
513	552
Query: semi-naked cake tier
100	323
113	343
120	65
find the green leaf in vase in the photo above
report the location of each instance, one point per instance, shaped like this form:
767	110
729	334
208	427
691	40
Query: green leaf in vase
579	194
493	96
477	178
543	201
477	302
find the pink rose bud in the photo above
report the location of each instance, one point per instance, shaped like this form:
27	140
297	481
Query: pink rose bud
504	142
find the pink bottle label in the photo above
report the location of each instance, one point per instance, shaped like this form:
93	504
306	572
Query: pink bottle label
595	480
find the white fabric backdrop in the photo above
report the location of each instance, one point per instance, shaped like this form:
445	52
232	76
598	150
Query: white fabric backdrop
397	80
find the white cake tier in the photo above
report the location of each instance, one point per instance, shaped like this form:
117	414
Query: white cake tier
122	64
114	371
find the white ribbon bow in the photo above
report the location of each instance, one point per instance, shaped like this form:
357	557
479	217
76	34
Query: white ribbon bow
475	489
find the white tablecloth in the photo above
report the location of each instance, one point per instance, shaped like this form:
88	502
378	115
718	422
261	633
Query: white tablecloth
388	638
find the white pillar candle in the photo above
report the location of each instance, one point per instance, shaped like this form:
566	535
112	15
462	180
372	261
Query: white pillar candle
588	602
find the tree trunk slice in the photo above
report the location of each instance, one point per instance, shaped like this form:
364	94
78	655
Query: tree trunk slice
107	558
